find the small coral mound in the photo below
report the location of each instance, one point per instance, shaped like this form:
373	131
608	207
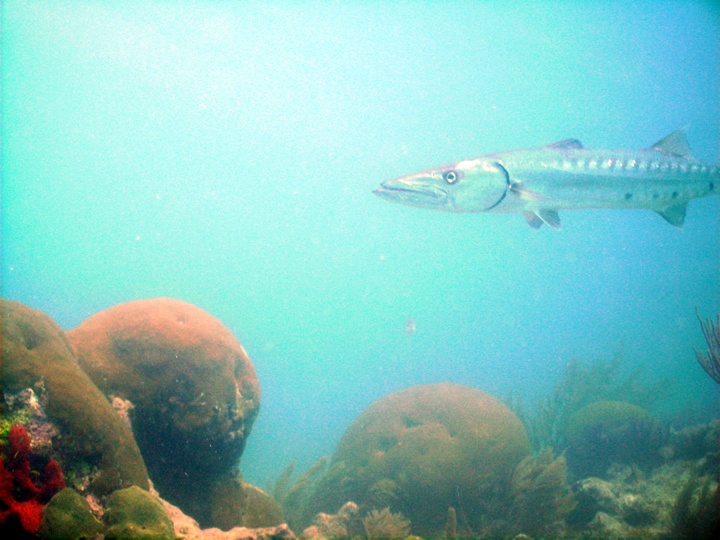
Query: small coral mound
68	517
421	450
135	513
607	432
21	496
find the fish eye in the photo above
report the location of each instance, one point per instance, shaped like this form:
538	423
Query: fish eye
450	177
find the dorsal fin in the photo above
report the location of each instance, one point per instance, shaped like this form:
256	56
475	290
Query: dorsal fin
567	144
674	144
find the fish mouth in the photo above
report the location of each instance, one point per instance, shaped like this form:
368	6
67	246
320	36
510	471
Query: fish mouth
412	193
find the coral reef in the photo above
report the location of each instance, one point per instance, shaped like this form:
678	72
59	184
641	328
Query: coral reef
21	499
606	432
666	502
423	449
384	525
187	527
710	361
194	391
40	379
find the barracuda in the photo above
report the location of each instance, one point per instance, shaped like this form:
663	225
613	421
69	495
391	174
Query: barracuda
539	182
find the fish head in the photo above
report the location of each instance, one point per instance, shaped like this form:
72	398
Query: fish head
476	185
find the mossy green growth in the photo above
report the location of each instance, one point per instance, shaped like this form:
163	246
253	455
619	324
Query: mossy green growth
606	432
68	517
34	348
21	416
135	513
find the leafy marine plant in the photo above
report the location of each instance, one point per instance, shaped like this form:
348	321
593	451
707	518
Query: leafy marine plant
584	383
710	360
384	525
295	499
539	493
696	512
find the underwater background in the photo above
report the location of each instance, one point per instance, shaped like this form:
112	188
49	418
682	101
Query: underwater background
224	153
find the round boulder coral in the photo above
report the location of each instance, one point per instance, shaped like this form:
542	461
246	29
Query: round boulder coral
35	354
422	450
606	432
193	390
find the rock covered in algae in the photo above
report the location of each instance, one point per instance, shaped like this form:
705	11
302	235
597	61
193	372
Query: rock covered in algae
35	351
68	517
137	514
193	388
234	502
421	450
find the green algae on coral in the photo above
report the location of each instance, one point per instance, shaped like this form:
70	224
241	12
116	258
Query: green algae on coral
68	517
134	513
34	349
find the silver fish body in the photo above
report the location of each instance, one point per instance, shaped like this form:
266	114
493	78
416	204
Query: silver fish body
540	182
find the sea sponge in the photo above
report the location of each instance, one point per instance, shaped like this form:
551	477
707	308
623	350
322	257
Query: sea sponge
422	450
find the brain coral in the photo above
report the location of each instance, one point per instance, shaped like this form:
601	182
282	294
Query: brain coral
193	387
606	432
34	350
424	449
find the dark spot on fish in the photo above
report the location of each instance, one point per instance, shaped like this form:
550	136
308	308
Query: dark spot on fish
712	186
674	194
656	195
628	196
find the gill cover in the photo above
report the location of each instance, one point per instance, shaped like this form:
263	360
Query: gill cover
482	186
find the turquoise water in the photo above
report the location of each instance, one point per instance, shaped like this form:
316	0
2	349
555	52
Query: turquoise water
224	153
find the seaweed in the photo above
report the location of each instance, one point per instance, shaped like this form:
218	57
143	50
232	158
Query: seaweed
581	384
710	361
696	512
282	486
385	525
296	501
451	527
539	493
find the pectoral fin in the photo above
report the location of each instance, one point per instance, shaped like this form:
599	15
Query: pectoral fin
532	220
674	215
537	218
525	194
